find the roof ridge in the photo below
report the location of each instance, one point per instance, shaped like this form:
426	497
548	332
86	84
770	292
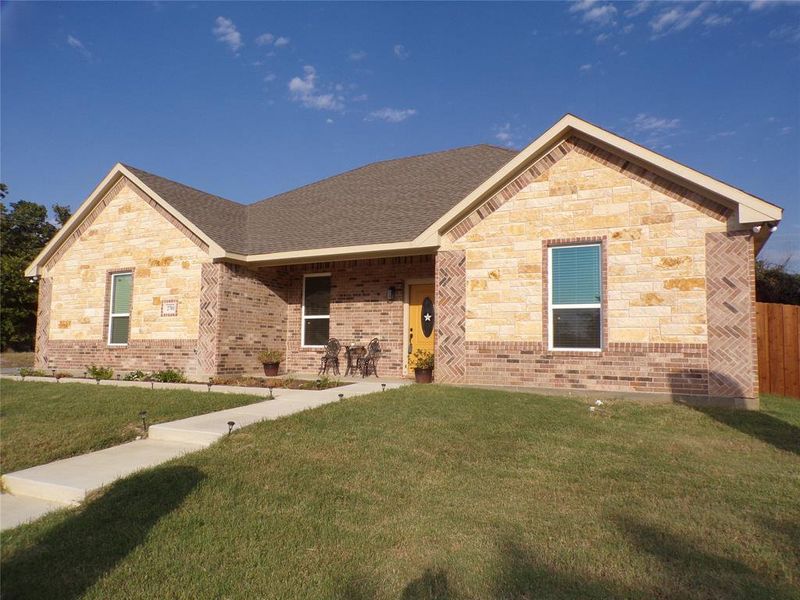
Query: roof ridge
379	162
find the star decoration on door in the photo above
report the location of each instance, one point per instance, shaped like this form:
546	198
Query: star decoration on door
428	316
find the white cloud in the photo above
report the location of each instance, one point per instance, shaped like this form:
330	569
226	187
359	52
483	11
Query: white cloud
391	115
637	9
721	134
785	131
225	31
581	5
648	123
74	42
329	121
602	37
786	32
357	55
265	39
504	134
585	68
360	98
270	77
594	13
760	4
716	20
401	52
600	15
281	42
304	90
676	19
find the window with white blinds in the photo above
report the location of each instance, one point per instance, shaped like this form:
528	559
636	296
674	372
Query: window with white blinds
575	297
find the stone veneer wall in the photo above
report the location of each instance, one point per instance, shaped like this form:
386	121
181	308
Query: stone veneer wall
667	326
126	230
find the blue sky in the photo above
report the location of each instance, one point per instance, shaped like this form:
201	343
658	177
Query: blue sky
249	99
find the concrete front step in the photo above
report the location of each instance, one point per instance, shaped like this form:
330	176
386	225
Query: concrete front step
68	481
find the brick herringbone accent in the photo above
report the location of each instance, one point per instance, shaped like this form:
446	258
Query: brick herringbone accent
43	322
451	288
731	314
209	323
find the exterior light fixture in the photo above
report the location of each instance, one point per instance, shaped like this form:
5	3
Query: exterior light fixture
773	227
390	293
143	417
84	374
383	387
756	228
54	372
341	396
118	376
210	383
271	397
230	426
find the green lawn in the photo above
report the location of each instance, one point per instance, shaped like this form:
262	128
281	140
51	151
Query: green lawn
436	492
42	422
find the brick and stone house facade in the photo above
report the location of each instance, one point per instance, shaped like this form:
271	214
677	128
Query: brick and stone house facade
150	274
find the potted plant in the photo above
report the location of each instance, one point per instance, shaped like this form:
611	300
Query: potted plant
423	366
271	359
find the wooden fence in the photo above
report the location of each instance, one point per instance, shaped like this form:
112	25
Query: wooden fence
778	328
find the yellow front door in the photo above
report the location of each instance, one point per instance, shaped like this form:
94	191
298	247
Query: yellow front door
421	319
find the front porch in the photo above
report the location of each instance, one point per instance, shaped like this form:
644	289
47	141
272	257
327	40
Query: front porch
274	307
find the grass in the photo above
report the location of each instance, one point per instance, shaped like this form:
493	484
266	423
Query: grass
436	492
16	359
42	422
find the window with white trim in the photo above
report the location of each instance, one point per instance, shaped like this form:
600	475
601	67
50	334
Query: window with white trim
119	318
575	292
316	318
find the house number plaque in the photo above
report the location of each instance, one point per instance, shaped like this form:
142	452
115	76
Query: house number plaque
169	308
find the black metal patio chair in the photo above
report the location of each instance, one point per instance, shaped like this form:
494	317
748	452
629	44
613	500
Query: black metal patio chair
370	362
330	358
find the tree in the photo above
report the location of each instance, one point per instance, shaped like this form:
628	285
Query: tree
24	231
775	283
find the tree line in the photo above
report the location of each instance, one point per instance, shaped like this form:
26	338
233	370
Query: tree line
24	230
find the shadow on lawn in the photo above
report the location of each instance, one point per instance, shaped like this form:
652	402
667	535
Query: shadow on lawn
760	425
71	556
697	573
754	423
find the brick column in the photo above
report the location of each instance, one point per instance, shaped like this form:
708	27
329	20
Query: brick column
208	332
730	293
451	291
43	323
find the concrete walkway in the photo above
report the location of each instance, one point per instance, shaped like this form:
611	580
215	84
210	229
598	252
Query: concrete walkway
38	490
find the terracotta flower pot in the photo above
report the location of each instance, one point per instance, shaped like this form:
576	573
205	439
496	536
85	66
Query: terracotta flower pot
423	375
271	369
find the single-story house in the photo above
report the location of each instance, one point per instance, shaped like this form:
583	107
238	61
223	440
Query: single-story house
583	262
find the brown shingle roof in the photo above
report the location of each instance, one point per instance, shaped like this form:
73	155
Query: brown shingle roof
383	202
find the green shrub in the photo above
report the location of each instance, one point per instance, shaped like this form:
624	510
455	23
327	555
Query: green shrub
96	372
136	376
267	357
29	372
168	376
